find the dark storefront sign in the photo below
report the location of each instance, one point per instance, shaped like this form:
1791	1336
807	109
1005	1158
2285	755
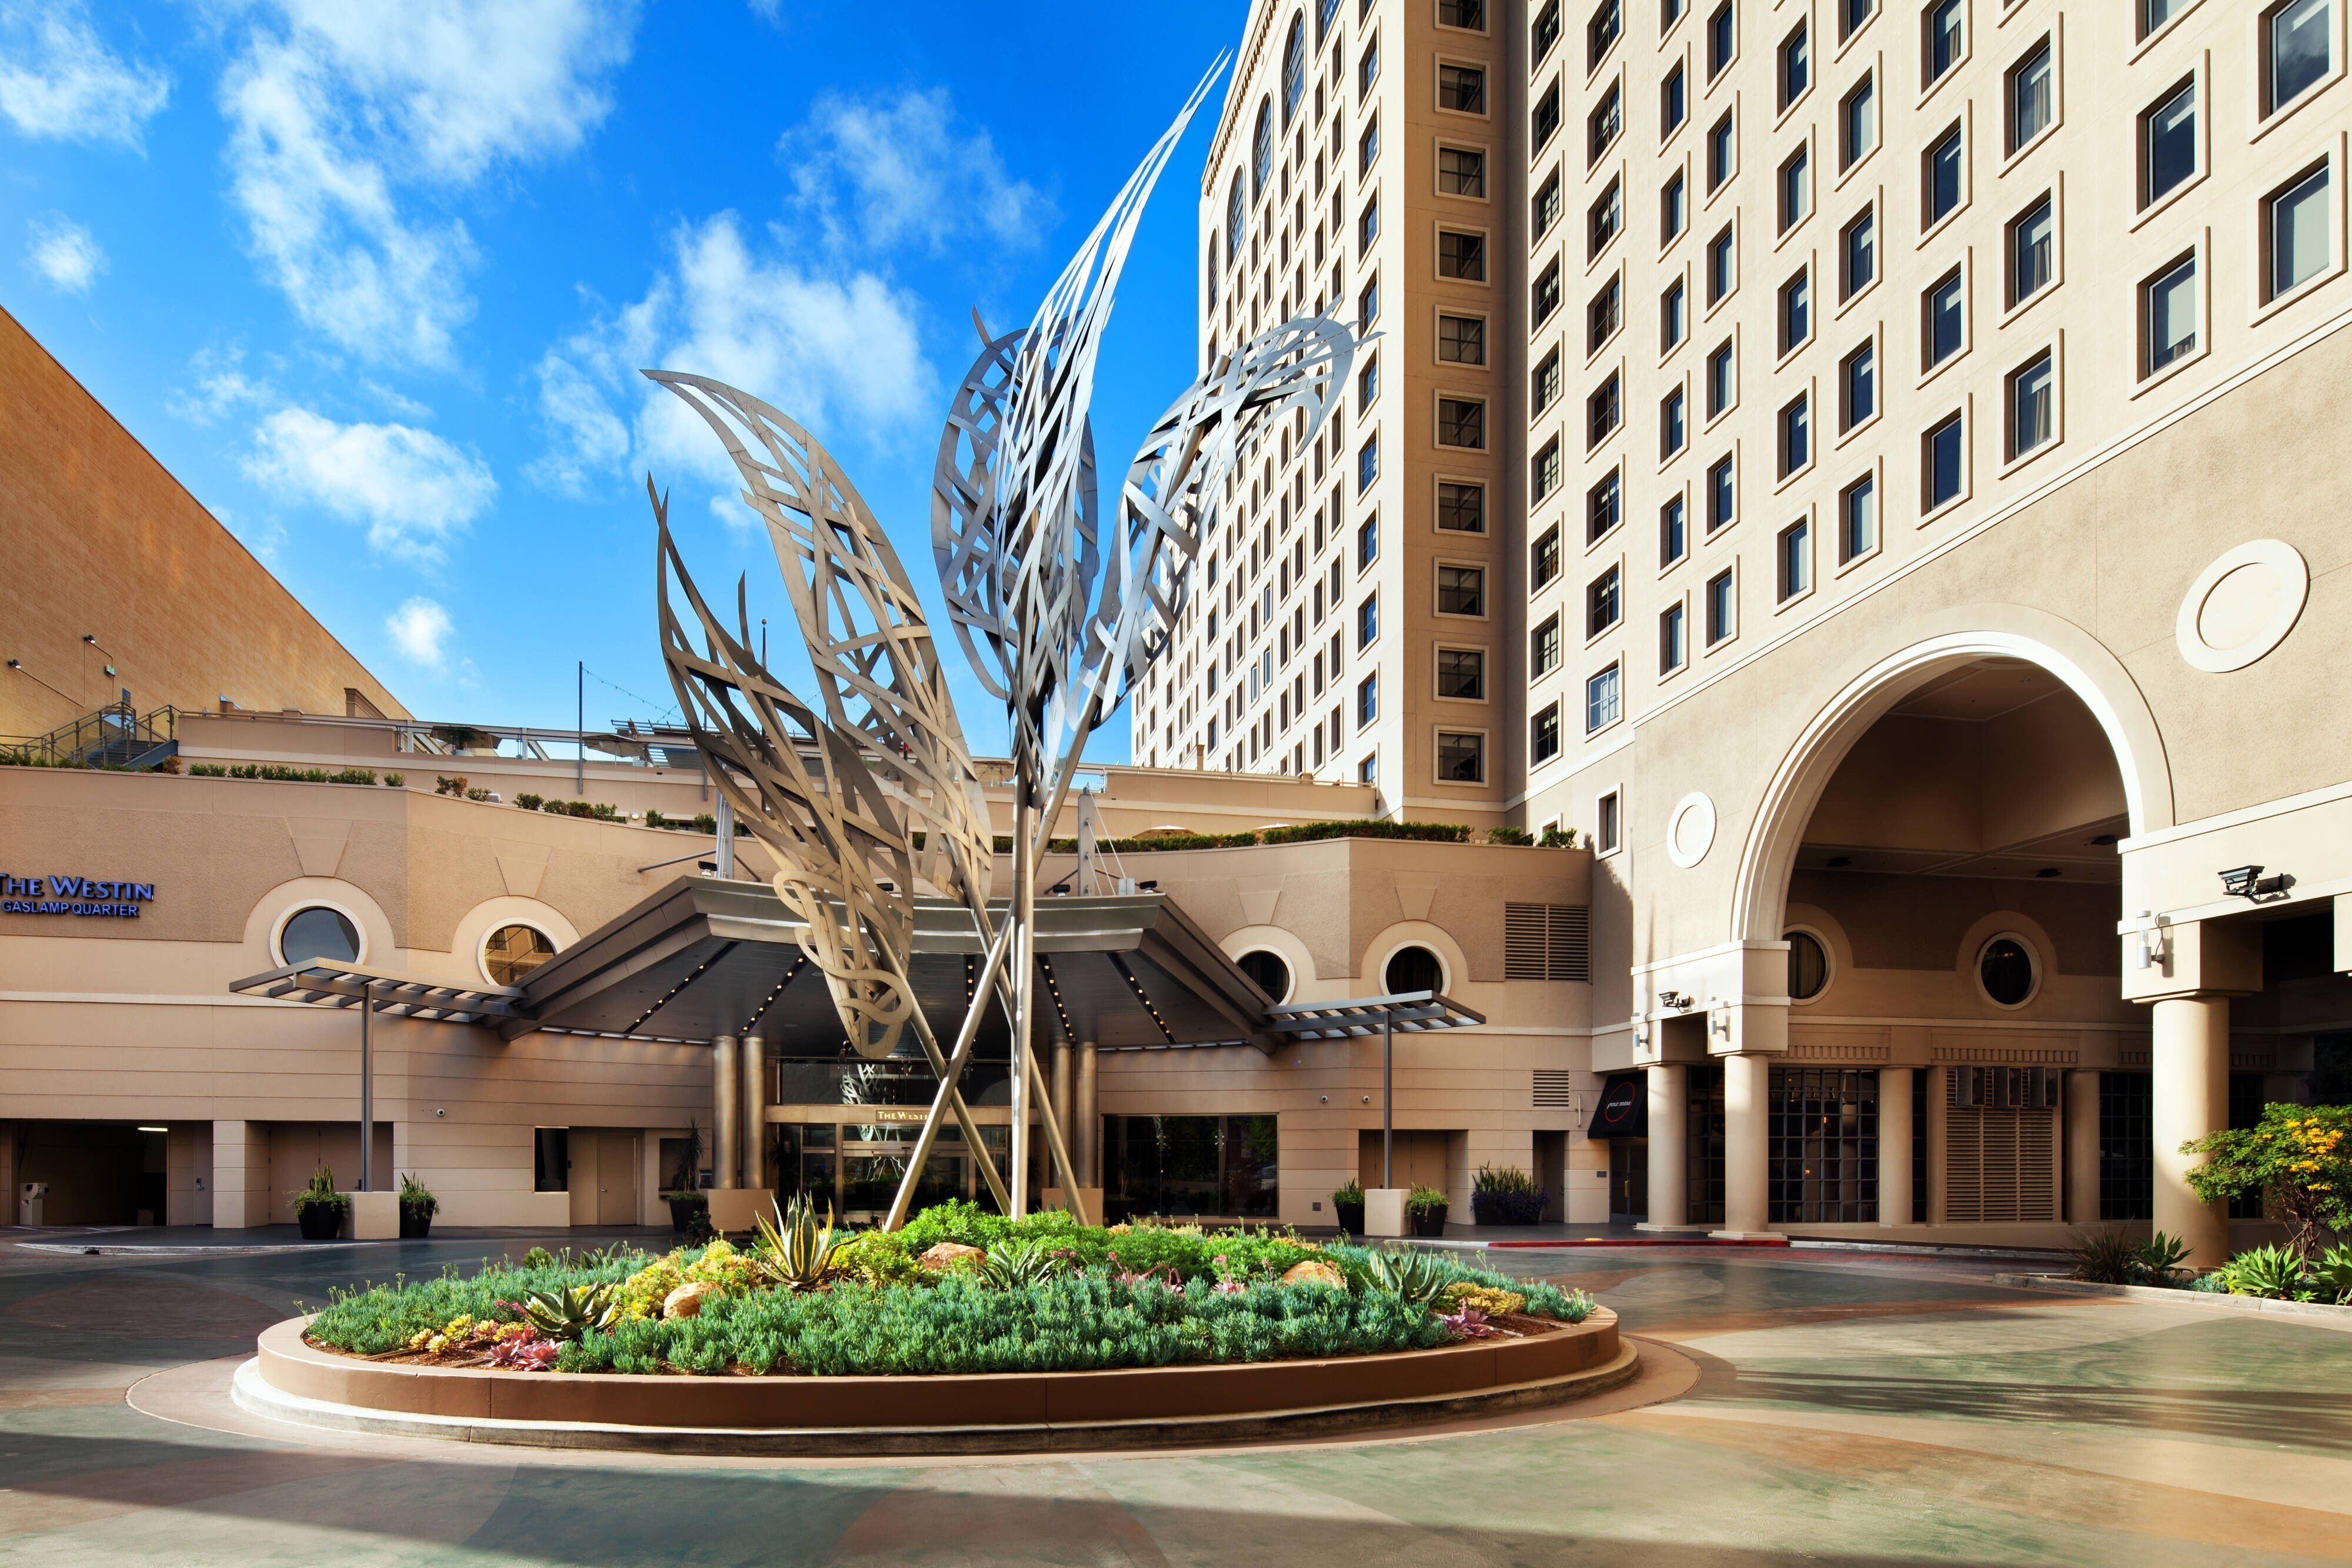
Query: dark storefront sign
1623	1111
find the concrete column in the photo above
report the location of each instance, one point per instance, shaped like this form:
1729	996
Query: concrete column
1936	1084
1057	1094
2082	1104
1746	1164
726	1113
1894	1146
753	1054
240	1175
1086	1112
2191	1062
1667	1086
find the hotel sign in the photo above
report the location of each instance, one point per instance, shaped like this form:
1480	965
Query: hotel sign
73	895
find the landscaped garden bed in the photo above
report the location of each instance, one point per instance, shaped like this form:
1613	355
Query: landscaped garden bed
955	1292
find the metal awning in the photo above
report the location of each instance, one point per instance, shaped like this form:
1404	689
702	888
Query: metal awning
1408	1012
1623	1111
324	982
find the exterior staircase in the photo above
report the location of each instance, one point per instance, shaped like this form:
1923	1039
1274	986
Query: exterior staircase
116	736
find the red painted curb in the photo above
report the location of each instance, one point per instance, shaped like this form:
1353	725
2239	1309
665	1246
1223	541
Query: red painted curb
1663	1241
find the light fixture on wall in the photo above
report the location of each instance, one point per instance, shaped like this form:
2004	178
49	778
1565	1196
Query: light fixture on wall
2248	882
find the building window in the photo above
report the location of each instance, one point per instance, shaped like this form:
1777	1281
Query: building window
1857	386
1601	412
1294	68
1722	380
2167	135
1796	189
1602	316
1942	456
1462	339
1462	255
2032	405
1606	831
1602	31
1602	603
1543	120
1368	699
1368	620
1462	422
318	932
1674	533
1544	209
1796	311
1858	254
1545	33
1941	178
1461	172
1672	211
513	952
1368	304
1543	736
1460	759
1368	771
1462	88
1368	464
2033	251
1796	65
1857	519
1460	590
1546	383
2296	46
1367	384
1461	674
1600	507
1543	298
1601	126
1544	472
1674	101
550	1159
1945	43
1721	269
1602	704
1670	423
1944	325
1368	541
1462	507
1858	123
1722	510
1467	15
2033	97
1674	639
1602	222
1368	228
1367	68
1543	648
1672	322
2295	235
2005	970
2169	316
1722	147
1796	435
1853	14
1367	147
1236	216
1722	39
1720	607
1543	557
1795	559
1262	149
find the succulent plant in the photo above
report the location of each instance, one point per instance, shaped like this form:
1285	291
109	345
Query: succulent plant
1416	1278
573	1311
1010	1264
797	1254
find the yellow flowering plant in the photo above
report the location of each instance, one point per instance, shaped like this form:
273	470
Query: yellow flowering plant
2298	1158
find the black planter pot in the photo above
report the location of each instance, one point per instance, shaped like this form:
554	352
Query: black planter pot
1430	1222
683	1211
1507	1208
1350	1217
416	1225
319	1222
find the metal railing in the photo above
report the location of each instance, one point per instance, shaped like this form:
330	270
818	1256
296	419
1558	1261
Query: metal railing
116	736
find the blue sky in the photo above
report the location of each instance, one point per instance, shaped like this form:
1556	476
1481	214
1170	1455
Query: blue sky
373	280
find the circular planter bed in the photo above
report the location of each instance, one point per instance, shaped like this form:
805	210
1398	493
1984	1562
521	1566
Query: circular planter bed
996	1412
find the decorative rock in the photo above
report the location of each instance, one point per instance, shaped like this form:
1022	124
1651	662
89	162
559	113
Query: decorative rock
946	1255
1314	1271
687	1300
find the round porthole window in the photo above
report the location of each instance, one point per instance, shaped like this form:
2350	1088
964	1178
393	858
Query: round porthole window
2005	970
318	932
1413	969
1271	974
514	951
1809	966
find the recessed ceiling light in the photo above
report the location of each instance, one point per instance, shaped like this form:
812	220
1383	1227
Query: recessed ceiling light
154	1129
2104	840
2049	870
1839	861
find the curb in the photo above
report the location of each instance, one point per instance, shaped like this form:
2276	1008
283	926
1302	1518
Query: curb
2213	1299
1585	1244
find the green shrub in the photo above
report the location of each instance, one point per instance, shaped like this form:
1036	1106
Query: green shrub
207	770
416	1198
2112	1258
530	802
2274	1272
2297	1158
1424	1200
2332	1275
1352	1193
1510	836
319	1192
1508	1178
396	780
1369	827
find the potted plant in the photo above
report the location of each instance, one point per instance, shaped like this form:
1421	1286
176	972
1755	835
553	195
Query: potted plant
319	1208
418	1207
1426	1207
1506	1197
689	1210
1348	1203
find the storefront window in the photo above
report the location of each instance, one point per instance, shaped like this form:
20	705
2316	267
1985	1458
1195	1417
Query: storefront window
1221	1166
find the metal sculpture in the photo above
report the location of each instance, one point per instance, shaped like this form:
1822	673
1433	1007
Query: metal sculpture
1057	625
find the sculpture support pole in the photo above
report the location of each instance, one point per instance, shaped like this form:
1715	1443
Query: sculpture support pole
940	1102
1025	975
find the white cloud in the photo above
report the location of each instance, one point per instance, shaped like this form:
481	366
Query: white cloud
837	350
65	253
58	80
412	489
337	111
896	171
221	386
418	629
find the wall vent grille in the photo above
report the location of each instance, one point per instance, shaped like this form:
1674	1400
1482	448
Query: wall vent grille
1555	1089
1547	942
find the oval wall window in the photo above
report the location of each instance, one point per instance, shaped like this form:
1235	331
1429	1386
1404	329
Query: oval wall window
1413	969
1270	973
513	952
1809	966
318	932
2005	970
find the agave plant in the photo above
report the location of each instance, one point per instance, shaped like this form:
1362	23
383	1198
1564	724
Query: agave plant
1417	1279
1010	1264
570	1311
2160	1257
2272	1272
794	1252
2332	1274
